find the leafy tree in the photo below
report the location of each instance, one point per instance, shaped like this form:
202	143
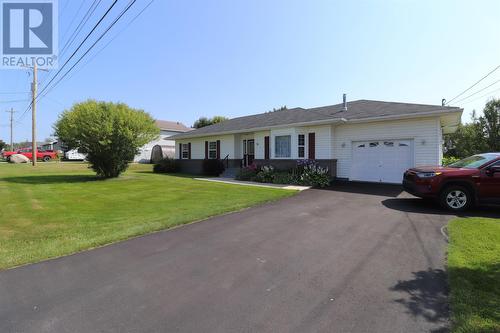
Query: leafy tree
204	121
110	134
490	125
2	145
281	108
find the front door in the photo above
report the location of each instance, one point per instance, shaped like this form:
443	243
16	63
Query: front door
248	152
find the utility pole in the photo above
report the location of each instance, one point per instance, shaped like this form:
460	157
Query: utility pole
34	91
11	128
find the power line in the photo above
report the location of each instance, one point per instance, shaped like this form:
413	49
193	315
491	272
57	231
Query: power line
477	92
73	54
14	93
80	26
466	90
483	96
131	3
113	38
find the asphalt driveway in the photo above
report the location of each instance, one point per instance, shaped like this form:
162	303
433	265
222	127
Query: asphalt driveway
360	258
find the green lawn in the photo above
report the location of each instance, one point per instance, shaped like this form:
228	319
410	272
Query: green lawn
60	208
474	274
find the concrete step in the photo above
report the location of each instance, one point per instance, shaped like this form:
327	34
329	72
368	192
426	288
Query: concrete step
230	173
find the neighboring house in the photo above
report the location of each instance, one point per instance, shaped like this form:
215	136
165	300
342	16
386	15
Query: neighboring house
162	146
362	140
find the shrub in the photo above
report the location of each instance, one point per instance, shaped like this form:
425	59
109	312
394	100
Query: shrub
265	175
314	175
283	177
110	134
447	160
213	167
166	165
247	173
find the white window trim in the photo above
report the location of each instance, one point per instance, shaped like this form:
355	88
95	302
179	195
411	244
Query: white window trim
275	142
299	145
212	150
185	149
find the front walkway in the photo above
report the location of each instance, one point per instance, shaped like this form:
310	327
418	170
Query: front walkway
248	183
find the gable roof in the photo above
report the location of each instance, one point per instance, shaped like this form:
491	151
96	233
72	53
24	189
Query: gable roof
356	110
173	126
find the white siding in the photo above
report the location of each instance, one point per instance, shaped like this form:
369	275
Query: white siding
198	146
260	144
323	136
424	132
144	155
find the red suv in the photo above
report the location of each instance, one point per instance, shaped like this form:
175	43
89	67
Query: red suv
460	185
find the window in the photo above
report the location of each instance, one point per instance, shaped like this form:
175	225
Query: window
373	144
403	145
282	145
185	151
212	150
361	146
302	145
389	144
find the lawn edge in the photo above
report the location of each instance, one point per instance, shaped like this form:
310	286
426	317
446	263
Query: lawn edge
270	201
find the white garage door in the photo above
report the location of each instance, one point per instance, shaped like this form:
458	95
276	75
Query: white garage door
381	161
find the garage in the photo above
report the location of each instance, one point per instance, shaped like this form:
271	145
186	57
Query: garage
382	161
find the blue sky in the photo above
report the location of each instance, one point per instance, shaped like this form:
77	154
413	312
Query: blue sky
185	59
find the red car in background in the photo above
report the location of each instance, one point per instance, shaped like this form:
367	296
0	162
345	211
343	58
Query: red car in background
458	186
44	155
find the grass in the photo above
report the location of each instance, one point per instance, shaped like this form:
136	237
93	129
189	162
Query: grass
474	274
61	208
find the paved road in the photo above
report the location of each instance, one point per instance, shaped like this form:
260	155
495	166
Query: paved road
361	258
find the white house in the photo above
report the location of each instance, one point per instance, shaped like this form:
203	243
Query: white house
362	140
162	146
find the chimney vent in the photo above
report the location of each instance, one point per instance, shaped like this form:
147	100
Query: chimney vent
345	103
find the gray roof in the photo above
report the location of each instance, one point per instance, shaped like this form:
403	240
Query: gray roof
356	110
172	126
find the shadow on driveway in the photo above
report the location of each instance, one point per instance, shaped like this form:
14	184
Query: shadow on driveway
386	190
427	297
417	205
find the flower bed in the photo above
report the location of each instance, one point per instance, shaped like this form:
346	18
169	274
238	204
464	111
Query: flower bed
306	172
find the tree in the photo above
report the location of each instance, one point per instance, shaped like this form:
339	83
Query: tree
2	145
204	121
490	125
110	134
281	108
480	136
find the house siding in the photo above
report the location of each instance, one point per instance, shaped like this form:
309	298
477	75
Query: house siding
198	146
425	134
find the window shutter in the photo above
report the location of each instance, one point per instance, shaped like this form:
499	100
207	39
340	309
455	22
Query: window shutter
218	149
312	146
206	150
189	150
266	148
180	151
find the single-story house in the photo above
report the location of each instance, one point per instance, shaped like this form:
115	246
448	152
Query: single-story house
162	146
363	140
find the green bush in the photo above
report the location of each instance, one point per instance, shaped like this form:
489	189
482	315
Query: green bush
265	175
314	175
110	134
447	160
283	177
247	173
166	165
213	167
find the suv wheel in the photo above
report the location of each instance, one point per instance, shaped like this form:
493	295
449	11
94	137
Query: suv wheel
46	158
456	198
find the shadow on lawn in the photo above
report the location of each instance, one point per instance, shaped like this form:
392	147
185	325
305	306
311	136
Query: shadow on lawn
427	297
55	179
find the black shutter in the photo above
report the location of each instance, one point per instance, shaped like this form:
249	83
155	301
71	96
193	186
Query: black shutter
218	149
267	154
312	146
